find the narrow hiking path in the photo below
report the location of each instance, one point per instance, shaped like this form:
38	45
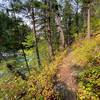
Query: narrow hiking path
66	76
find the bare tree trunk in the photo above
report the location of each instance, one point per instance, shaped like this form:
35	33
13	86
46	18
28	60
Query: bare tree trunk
77	18
84	16
60	30
85	25
36	38
51	51
48	28
88	24
25	58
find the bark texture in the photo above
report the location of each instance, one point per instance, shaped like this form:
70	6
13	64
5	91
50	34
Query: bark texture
88	24
60	30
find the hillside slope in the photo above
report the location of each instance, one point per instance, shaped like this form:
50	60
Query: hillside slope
78	61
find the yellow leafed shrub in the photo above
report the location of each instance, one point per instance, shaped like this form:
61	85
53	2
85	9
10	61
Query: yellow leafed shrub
39	85
87	51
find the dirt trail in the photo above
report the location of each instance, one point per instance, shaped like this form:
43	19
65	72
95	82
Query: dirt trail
67	77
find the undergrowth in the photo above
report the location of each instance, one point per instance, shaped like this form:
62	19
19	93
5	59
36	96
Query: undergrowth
87	51
39	85
87	56
89	85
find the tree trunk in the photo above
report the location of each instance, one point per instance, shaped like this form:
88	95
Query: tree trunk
36	38
77	18
25	58
60	30
51	51
88	24
48	28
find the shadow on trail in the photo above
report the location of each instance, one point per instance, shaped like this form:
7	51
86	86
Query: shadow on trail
77	67
65	93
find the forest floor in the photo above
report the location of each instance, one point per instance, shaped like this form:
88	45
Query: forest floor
67	76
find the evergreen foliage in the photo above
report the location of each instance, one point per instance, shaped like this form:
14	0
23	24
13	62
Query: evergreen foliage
34	38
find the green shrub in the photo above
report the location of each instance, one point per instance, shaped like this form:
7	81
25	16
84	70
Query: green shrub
12	88
89	84
39	85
